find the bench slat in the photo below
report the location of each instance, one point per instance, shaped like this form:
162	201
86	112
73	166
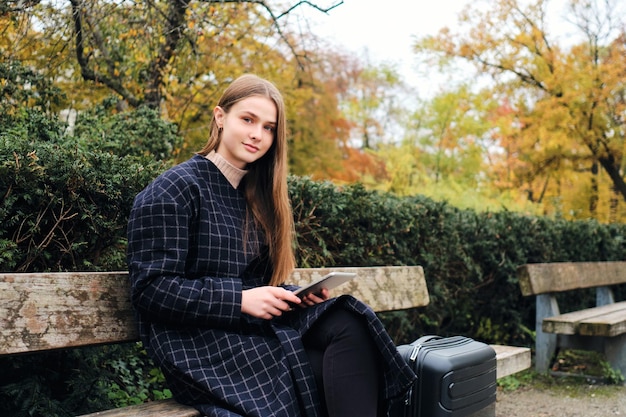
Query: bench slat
382	288
162	408
511	359
610	324
46	311
58	310
543	278
570	323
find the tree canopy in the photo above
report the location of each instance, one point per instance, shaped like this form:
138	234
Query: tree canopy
560	125
540	128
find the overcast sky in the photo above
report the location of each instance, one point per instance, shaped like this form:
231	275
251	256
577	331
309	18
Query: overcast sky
386	29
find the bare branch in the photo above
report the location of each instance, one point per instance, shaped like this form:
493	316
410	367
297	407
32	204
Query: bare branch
313	5
278	28
83	59
275	18
175	24
176	21
17	6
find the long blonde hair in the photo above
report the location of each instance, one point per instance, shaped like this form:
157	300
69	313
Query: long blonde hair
266	181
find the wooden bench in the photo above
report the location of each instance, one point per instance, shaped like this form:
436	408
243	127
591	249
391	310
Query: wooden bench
601	328
44	311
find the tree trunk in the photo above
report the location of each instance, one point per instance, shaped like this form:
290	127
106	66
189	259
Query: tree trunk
594	195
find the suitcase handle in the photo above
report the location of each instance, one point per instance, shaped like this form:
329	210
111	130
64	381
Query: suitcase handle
417	344
425	339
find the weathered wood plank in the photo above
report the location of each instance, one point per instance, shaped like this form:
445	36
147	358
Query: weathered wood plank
382	288
610	324
543	278
558	326
164	408
59	310
511	359
570	323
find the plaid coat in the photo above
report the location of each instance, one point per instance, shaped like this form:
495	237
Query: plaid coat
187	270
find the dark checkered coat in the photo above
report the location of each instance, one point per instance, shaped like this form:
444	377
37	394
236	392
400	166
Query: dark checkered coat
187	269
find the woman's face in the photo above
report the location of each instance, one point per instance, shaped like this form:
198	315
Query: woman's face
248	130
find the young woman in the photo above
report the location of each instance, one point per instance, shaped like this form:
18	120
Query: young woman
210	246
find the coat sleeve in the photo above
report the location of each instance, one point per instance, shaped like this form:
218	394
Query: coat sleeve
158	245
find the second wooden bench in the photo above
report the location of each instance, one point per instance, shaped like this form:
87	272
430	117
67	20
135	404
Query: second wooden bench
600	328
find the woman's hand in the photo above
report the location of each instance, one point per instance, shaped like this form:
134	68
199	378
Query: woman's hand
312	299
267	302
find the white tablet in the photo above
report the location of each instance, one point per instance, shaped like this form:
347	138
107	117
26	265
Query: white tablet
329	282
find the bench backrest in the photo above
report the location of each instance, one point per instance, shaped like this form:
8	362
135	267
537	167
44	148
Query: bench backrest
44	311
542	278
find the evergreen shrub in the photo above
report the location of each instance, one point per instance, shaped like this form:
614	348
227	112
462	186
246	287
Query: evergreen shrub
64	205
469	258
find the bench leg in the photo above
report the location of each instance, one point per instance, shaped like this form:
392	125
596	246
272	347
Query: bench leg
545	343
615	352
545	348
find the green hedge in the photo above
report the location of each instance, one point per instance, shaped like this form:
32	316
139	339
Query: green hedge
66	198
64	206
469	258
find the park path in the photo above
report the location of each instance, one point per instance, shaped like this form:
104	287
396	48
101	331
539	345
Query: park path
579	401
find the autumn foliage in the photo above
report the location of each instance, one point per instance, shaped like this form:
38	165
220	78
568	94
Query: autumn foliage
539	128
559	127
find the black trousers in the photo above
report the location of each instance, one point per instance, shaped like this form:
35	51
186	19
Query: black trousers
345	362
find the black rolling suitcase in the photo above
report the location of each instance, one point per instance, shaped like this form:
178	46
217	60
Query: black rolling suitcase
456	377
